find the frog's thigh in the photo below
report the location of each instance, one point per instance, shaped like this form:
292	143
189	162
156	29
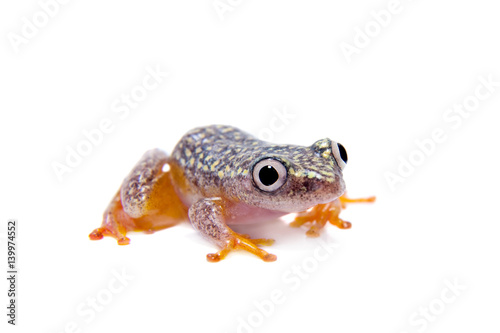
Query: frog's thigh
139	191
207	216
146	201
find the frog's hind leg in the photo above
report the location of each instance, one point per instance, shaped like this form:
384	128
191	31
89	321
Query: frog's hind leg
115	222
208	215
145	202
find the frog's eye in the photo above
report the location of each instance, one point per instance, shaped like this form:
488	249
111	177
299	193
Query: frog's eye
269	174
340	154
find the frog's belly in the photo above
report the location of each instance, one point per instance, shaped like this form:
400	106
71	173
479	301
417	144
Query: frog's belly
246	214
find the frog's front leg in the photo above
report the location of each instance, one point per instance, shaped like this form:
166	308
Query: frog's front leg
207	216
329	212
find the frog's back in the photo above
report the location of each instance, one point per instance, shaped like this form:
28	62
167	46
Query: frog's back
207	155
211	143
221	136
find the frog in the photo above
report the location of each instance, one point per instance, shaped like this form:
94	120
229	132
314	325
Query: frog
219	176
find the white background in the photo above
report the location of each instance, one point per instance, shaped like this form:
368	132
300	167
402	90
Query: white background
439	224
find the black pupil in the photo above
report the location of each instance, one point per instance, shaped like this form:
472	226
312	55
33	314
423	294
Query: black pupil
268	175
343	153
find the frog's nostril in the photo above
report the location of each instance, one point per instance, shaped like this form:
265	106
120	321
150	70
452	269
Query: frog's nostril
311	185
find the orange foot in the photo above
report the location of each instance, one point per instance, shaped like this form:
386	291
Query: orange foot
329	212
243	242
99	233
116	223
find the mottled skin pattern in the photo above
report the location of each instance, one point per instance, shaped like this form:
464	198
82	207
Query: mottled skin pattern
217	161
209	178
140	182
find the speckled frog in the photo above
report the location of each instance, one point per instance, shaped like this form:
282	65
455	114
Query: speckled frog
219	176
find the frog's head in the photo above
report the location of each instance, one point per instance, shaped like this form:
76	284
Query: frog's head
294	178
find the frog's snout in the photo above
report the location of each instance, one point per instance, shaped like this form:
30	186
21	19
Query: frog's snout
311	185
326	189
